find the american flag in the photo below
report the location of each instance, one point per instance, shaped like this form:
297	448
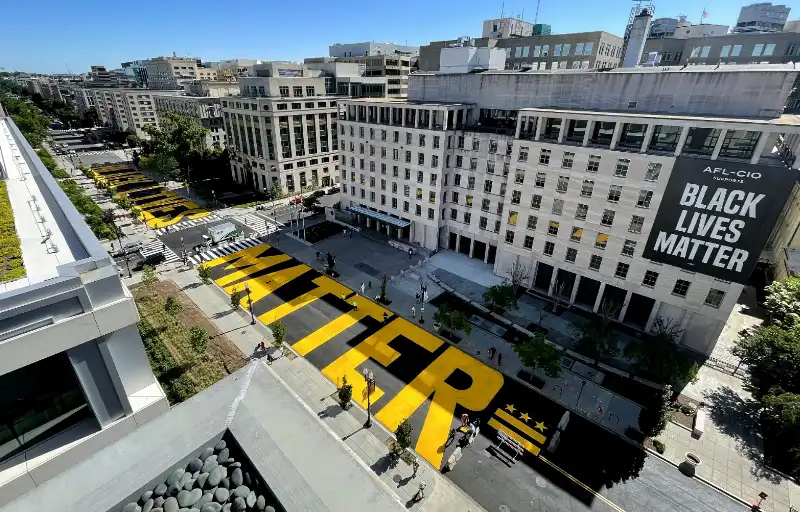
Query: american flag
704	15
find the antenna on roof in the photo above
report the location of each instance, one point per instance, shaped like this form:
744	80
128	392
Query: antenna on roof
536	16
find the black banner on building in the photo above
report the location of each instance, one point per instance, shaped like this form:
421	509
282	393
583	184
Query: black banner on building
715	216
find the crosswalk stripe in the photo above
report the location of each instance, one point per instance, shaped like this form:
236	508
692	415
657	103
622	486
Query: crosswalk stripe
222	250
189	223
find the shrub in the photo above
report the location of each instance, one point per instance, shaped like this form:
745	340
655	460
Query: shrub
659	446
198	339
172	306
11	264
59	174
278	332
403	435
345	393
236	298
688	409
204	273
148	275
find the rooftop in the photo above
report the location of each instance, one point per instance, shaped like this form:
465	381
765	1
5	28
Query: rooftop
44	245
403	101
739	68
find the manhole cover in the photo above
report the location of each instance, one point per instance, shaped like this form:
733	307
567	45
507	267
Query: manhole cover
541	482
504	508
397	478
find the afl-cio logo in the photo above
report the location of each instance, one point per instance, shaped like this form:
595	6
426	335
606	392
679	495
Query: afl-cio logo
721	171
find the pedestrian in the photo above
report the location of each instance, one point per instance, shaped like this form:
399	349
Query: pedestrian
499	358
344	233
491	353
416	296
317	255
355	305
362	288
163	247
350	234
344	296
385	317
413	312
369	285
410	252
479	354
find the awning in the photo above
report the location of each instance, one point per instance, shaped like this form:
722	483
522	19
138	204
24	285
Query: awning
381	217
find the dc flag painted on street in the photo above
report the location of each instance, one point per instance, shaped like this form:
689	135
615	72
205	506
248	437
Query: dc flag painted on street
716	216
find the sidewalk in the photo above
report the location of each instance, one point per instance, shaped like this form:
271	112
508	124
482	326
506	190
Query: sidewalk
316	392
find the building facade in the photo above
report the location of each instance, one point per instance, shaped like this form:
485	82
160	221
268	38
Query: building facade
762	17
282	131
503	28
205	111
730	49
370	49
73	371
681	28
126	110
569	195
171	72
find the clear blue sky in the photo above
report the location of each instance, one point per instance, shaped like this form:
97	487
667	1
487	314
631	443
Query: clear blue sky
59	35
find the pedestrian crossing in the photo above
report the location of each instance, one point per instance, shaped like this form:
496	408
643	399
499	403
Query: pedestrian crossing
222	250
187	224
156	247
258	224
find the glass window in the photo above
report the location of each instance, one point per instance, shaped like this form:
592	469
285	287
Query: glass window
587	188
581	211
563	184
549	247
681	288
645	196
571	256
714	298
509	237
587	49
622	270
650	279
536	202
558	206
595	262
653	171
577	233
622	168
601	240
614	192
628	247
665	138
566	162
725	51
552	228
512	217
594	164
637	222
736	50
608	217
757	49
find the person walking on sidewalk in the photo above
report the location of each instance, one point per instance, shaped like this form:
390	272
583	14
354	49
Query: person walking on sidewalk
355	305
362	288
413	312
499	359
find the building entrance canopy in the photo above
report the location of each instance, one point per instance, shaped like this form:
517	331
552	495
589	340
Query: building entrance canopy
380	217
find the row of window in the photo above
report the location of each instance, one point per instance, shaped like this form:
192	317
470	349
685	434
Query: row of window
559	50
394	201
282	106
733	50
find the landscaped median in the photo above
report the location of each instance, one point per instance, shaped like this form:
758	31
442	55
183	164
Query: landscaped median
11	267
186	351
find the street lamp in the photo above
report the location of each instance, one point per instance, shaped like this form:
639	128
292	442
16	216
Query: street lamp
370	380
250	305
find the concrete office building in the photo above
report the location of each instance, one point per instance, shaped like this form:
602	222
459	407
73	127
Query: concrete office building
206	112
126	110
282	129
583	50
172	72
503	28
762	17
348	78
73	371
682	28
211	88
484	164
370	49
395	68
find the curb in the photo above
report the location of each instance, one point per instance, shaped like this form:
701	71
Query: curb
702	479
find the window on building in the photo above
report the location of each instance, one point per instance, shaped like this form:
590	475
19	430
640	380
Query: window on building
562	184
516	196
544	157
576	234
571	256
509	236
430	213
622	168
622	270
528	242
614	192
652	172
558	206
595	261
512	217
568	159
482	222
628	247
523	154
540	179
681	288
536	201
552	228
645	196
581	211
467	217
492	146
757	50
587	188
636	225
468	201
594	164
459	161
435	142
608	217
601	240
549	247
714	298
283	90
650	279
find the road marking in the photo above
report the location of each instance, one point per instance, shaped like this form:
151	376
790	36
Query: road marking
516	437
599	496
325	286
327	332
264	285
525	429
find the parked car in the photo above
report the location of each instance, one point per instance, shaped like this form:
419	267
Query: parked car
296	200
129	248
151	260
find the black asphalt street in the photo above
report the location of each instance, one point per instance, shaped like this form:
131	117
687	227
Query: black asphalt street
591	469
193	235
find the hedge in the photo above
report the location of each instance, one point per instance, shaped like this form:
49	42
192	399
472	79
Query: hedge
92	213
11	266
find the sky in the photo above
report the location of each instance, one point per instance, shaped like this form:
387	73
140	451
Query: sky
57	36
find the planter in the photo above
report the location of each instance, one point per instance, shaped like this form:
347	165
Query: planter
689	465
437	326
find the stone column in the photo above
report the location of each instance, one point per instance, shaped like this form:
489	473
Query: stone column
458	241
718	146
486	254
553	279
762	141
615	136
519	126
402	116
472	247
416	117
599	298
682	140
563	130
539	121
574	290
648	136
589	128
430	119
292	147
653	316
625	303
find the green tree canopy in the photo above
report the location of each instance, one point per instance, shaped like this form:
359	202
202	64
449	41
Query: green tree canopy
452	320
178	137
534	352
783	301
595	339
500	297
772	356
658	357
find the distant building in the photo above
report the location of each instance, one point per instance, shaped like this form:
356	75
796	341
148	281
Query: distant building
126	110
762	17
172	72
348	78
468	59
211	88
370	49
137	70
206	112
503	28
681	28
542	29
45	87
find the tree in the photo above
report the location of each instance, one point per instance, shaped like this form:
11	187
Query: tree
500	297
122	201
276	191
783	301
772	357
518	273
172	306
345	393
178	137
403	436
198	339
204	273
132	140
148	275
658	357
90	118
278	332
452	320
654	416
534	352
236	298
163	164
558	297
595	339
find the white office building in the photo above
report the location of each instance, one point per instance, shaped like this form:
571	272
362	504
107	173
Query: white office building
762	17
486	164
73	372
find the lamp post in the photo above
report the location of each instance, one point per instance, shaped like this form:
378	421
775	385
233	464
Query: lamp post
370	380
250	305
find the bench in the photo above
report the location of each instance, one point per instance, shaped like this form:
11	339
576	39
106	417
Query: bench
504	438
699	423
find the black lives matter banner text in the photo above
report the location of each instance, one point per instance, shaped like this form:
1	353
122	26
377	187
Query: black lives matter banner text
715	216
